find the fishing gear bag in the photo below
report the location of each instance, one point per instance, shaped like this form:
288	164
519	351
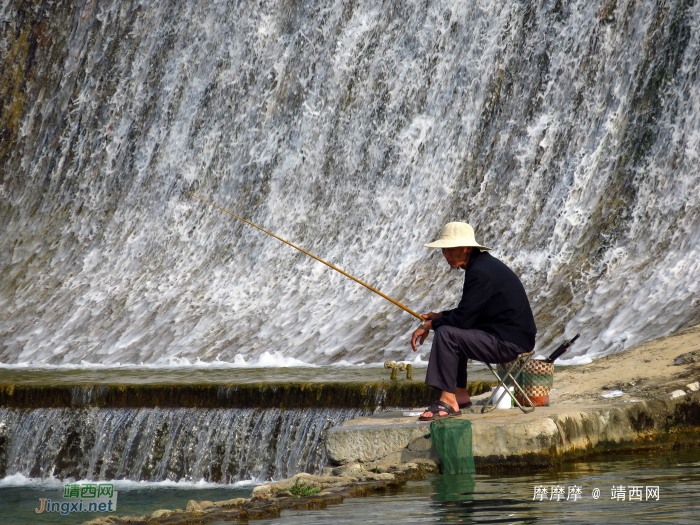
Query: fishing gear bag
536	380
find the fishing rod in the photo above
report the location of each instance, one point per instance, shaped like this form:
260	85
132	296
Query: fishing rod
310	255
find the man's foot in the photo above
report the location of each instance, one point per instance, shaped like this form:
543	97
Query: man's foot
463	399
439	410
446	399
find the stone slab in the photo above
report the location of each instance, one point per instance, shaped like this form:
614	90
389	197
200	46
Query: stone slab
510	438
369	442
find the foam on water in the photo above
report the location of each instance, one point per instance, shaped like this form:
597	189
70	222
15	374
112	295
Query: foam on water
565	134
20	480
265	360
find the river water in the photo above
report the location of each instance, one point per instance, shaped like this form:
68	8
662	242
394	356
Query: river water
510	499
477	499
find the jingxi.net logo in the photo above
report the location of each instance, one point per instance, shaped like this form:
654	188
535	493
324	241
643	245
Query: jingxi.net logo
81	497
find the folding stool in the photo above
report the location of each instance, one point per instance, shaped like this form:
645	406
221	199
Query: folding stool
511	376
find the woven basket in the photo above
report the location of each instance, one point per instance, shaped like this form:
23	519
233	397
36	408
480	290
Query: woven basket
536	380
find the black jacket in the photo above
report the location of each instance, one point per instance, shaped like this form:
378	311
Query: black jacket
493	300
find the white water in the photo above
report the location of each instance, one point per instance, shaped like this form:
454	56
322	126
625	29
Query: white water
19	480
567	137
265	360
185	447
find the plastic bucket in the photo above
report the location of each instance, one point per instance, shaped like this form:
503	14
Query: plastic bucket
506	401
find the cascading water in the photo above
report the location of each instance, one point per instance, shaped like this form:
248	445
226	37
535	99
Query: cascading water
565	132
151	444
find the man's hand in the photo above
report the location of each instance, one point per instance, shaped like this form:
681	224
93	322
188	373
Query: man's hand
420	334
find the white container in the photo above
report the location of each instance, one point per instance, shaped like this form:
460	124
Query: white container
506	402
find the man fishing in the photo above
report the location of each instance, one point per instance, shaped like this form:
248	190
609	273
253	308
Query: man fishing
492	323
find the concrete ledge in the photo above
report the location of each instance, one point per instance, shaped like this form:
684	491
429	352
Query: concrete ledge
366	443
509	439
248	395
369	395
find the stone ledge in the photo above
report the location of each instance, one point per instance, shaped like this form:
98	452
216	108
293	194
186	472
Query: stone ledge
248	395
509	439
366	443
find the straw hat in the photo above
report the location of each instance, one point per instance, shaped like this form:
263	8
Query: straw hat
456	234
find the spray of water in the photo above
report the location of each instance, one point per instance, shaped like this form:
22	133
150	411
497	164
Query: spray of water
566	133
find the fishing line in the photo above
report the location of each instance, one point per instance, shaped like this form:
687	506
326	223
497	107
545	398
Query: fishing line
310	255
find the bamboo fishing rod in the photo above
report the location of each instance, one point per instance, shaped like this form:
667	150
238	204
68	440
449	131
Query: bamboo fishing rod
311	255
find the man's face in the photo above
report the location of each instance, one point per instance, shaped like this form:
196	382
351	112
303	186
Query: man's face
457	257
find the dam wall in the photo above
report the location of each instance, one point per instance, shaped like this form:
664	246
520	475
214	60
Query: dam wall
564	132
156	432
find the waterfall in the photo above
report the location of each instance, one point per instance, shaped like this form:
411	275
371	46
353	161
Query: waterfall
566	133
151	444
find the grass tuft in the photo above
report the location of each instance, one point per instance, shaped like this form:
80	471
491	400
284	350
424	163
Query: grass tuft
302	490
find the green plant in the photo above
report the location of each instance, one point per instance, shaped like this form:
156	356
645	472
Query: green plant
301	489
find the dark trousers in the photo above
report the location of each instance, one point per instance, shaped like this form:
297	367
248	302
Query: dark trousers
452	347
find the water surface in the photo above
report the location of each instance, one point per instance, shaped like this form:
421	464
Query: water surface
487	498
18	503
482	498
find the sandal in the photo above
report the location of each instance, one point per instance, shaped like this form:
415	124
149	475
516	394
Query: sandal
438	407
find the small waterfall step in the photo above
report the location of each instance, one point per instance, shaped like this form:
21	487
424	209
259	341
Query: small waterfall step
368	396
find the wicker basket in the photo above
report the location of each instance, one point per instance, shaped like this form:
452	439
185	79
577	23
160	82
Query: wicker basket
536	380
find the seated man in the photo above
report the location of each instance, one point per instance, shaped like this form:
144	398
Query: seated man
493	322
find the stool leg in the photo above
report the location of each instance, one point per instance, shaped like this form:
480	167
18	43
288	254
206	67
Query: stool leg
486	407
502	381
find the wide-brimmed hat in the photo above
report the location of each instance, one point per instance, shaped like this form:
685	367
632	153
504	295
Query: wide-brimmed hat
454	235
